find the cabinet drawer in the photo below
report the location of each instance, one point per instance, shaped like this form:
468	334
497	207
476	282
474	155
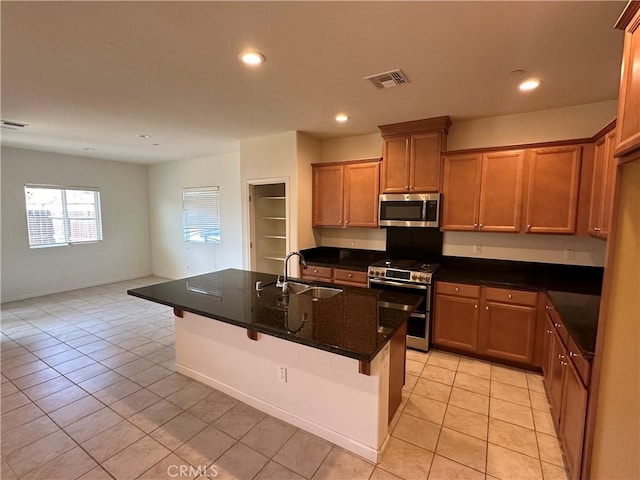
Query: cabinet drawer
582	364
349	277
521	297
458	289
319	273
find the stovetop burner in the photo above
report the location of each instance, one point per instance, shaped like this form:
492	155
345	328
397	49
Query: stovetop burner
409	265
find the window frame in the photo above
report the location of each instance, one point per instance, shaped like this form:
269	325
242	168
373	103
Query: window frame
192	230
66	219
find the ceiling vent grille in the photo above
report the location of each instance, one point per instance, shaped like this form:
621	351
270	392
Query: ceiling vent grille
9	125
389	79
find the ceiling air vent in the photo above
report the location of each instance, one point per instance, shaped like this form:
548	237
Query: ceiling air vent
388	79
9	125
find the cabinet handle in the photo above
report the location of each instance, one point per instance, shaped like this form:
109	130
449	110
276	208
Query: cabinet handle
510	296
560	356
406	187
563	363
476	307
528	227
547	307
475	226
573	355
596	229
486	308
556	325
347	222
481	225
549	332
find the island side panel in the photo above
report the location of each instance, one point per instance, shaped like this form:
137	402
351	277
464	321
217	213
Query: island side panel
323	394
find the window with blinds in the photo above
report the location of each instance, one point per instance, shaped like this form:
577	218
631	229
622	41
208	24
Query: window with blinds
59	215
201	214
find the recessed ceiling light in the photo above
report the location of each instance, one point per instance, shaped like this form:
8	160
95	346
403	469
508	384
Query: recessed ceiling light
89	149
529	85
144	135
155	144
251	58
342	117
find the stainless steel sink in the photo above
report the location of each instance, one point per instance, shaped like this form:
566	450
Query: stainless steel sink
320	292
315	291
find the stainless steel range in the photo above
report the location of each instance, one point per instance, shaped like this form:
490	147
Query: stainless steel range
408	276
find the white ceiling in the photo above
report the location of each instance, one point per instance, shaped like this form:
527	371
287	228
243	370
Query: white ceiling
97	74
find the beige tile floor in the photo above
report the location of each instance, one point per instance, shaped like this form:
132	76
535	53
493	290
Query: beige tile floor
88	391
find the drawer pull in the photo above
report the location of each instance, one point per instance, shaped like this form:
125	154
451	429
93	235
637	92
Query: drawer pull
563	363
349	275
560	356
510	296
486	308
573	355
476	306
315	271
457	289
556	325
547	307
549	332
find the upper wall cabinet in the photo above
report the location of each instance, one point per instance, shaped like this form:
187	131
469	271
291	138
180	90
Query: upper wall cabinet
411	155
482	191
628	127
553	187
603	185
346	194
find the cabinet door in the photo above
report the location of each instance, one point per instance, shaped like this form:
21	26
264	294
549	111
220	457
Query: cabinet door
552	201
501	191
546	349
609	186
456	322
628	126
424	165
461	192
395	164
597	187
361	194
328	195
557	361
572	418
508	331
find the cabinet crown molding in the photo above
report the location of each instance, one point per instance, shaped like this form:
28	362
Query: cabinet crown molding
627	14
416	126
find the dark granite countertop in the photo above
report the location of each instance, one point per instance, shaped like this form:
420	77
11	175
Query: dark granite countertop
356	323
579	313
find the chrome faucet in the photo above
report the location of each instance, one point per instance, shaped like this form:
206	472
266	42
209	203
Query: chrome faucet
284	283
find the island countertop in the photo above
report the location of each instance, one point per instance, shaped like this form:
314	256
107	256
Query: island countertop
355	323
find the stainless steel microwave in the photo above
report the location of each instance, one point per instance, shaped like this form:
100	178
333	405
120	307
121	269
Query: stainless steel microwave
409	210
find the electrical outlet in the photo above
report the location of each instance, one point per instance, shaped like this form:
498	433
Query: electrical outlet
569	254
477	249
282	374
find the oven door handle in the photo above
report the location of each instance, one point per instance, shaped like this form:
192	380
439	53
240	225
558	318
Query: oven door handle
399	284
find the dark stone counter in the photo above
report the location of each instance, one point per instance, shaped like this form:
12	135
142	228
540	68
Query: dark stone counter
347	258
579	313
356	323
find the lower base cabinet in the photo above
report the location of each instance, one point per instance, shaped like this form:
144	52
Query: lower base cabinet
495	322
567	392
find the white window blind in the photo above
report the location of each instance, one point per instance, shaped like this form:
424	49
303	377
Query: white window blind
201	214
60	215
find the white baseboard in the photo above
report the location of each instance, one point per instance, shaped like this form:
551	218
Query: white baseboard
74	287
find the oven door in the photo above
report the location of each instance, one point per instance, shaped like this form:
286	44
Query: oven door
419	321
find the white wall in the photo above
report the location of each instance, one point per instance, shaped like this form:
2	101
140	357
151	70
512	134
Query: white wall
124	252
171	256
580	121
283	156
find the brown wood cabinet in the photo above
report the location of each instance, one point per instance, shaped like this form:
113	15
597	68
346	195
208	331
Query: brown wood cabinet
628	126
483	191
339	276
566	376
411	155
508	324
457	317
497	323
345	194
553	187
602	186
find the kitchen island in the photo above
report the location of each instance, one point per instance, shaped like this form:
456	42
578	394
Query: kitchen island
330	362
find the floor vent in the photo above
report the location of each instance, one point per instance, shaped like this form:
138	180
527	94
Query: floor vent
389	79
